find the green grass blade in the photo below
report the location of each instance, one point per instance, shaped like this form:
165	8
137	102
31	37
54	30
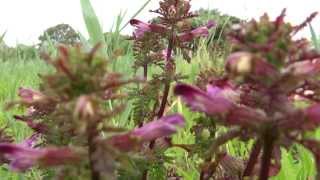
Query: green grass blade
2	36
92	23
136	14
314	38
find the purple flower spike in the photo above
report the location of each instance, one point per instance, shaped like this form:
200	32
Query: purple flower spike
142	27
202	101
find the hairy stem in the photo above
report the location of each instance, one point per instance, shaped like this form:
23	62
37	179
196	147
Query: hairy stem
252	159
266	156
95	175
164	100
145	71
169	66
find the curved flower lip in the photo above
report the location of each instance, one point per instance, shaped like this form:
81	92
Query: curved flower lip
201	101
163	127
142	27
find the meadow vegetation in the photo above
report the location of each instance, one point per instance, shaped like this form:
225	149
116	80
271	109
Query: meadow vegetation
163	103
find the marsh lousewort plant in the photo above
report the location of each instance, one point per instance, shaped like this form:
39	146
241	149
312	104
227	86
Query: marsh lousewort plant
89	122
256	99
173	32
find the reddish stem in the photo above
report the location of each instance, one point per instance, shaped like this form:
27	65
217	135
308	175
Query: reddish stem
145	71
266	156
95	175
252	159
167	85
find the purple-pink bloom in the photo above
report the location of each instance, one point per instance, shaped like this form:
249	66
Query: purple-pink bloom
198	32
225	89
199	100
202	31
163	127
142	27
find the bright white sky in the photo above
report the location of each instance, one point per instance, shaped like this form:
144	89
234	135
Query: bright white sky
25	20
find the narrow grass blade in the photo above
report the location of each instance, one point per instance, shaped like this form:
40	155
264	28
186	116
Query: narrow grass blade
314	38
136	14
92	23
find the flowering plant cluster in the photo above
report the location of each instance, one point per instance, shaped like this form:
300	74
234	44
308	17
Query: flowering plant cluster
265	76
256	98
173	32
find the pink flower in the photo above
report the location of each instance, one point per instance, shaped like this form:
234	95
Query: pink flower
142	28
198	100
22	157
202	31
163	127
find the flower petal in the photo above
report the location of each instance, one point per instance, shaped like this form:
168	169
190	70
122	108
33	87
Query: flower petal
142	27
198	32
163	127
201	101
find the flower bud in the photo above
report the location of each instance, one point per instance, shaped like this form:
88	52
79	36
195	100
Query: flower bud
239	63
84	108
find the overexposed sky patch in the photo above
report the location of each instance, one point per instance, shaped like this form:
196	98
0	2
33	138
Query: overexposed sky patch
25	20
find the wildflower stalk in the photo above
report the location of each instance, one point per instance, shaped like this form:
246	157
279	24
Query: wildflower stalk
145	71
169	67
93	133
266	156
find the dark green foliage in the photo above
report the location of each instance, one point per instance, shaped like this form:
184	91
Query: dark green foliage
60	34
